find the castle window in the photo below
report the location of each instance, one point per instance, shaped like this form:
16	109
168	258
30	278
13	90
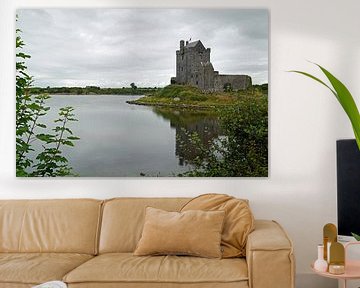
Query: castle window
182	68
182	57
197	82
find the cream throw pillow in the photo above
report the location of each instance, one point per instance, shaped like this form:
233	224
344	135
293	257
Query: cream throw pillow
238	223
193	232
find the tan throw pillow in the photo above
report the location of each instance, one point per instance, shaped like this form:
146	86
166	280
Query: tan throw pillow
239	220
196	233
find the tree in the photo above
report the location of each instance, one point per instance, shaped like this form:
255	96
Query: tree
133	86
30	109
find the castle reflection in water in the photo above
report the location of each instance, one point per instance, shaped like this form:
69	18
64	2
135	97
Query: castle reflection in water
204	123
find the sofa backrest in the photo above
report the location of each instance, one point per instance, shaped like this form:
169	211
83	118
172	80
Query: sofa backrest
67	226
123	220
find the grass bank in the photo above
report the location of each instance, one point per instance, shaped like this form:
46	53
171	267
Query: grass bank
181	96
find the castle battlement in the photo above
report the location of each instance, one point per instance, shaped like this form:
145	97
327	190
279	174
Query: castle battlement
193	67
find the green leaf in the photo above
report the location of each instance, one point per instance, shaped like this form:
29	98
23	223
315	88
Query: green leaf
344	97
34	106
21	130
347	102
356	236
73	138
60	159
68	143
45	137
314	78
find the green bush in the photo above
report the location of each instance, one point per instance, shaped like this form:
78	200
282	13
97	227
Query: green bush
243	150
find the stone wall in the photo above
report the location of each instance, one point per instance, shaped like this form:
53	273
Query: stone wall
235	82
206	82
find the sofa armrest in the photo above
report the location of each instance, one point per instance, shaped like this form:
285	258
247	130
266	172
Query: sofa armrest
269	256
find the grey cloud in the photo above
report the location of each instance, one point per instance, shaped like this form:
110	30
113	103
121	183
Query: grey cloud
114	47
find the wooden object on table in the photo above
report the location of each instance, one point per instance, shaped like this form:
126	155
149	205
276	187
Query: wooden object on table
329	236
352	268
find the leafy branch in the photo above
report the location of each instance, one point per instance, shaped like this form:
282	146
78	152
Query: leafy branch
29	111
50	160
344	97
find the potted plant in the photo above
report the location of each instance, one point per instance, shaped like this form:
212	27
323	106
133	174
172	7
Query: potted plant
346	100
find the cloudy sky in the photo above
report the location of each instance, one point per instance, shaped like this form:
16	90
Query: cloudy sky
114	47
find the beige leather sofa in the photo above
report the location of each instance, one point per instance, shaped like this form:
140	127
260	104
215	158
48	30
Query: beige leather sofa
89	243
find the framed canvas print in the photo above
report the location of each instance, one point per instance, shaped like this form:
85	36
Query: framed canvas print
142	92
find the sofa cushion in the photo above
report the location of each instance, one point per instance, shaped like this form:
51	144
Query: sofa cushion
193	232
123	220
239	220
126	268
36	268
63	226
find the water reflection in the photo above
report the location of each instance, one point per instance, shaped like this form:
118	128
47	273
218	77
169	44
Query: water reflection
204	123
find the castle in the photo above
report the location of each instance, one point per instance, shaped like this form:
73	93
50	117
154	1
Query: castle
193	67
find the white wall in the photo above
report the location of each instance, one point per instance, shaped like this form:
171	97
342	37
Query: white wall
305	120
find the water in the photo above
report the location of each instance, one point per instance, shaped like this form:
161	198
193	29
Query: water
119	139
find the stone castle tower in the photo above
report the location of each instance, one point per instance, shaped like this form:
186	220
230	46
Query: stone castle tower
193	67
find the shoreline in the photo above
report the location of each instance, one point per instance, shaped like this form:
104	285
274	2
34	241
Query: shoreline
72	94
175	105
